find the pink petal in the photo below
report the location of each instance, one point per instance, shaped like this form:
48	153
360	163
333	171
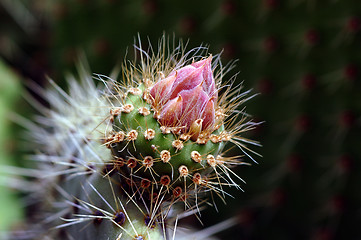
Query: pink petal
187	78
187	95
208	115
199	63
209	84
194	101
172	112
161	89
208	79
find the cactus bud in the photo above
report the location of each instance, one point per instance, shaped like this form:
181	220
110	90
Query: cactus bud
129	151
181	136
186	95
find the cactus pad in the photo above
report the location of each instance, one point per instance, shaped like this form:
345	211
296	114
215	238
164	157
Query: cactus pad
117	159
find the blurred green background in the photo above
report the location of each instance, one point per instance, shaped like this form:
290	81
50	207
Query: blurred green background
302	56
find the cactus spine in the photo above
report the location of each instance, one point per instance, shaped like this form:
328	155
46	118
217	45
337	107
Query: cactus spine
116	160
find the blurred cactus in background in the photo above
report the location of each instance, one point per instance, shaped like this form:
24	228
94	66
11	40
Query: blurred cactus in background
10	93
303	56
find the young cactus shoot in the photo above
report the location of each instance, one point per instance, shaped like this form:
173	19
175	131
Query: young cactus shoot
116	159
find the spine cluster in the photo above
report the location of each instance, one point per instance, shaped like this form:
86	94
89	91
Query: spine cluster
118	158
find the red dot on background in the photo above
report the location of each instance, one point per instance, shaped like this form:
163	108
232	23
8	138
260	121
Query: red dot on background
150	7
322	234
347	118
353	24
229	51
278	197
308	81
101	47
312	37
246	217
303	123
271	4
228	7
259	128
350	72
187	25
270	44
294	163
338	204
265	86
345	163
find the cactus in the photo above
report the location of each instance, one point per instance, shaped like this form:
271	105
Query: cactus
10	92
303	56
118	160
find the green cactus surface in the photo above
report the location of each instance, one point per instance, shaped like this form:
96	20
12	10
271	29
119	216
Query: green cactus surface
157	152
128	157
303	56
10	90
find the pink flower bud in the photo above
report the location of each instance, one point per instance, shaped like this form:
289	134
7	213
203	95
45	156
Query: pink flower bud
194	103
161	89
187	78
209	85
172	112
208	114
187	95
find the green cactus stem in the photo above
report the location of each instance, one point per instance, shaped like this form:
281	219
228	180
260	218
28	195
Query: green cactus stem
116	159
